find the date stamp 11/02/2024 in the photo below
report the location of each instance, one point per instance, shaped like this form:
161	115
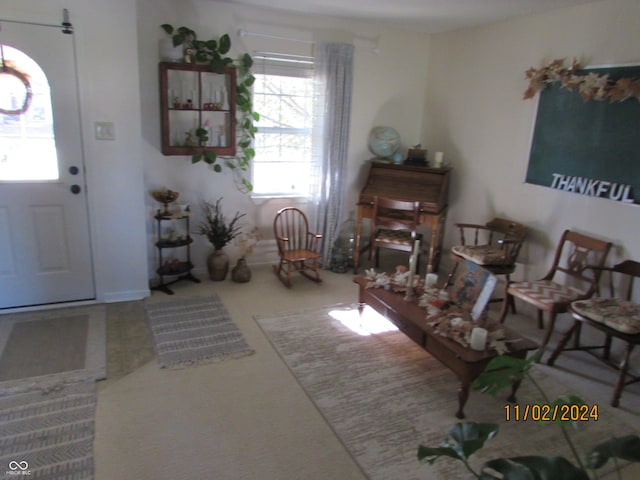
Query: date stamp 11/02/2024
545	412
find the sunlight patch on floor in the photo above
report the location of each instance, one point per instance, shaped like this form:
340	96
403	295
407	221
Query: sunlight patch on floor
369	323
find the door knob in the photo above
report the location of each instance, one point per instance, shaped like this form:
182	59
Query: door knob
75	189
73	170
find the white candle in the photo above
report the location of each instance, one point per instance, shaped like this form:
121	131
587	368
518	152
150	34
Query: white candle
478	339
438	160
414	255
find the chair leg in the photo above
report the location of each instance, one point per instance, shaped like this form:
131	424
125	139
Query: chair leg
552	322
450	276
512	300
279	273
505	304
540	320
624	366
314	268
606	353
575	328
576	335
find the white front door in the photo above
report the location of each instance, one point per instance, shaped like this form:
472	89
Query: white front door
45	254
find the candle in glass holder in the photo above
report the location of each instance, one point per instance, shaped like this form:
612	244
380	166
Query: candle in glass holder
478	339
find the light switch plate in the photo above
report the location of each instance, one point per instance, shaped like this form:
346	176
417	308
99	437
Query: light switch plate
105	130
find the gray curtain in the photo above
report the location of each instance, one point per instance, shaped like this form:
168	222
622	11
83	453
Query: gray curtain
333	85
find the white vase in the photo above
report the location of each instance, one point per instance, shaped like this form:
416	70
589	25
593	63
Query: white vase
169	53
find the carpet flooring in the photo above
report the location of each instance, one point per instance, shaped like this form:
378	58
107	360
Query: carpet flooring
46	348
193	331
383	395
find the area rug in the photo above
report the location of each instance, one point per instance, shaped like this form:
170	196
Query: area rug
383	395
49	347
48	434
194	331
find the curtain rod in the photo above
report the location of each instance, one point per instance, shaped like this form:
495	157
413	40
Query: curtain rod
244	33
66	25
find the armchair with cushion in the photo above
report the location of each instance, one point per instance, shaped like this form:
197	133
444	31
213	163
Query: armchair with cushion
614	313
569	279
494	246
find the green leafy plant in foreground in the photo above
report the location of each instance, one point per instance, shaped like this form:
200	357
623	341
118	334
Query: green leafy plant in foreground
467	438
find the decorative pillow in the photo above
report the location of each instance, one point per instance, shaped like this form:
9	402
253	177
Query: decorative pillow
480	254
621	315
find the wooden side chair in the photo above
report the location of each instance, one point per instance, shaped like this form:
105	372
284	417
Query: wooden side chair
298	248
394	226
616	315
569	279
494	246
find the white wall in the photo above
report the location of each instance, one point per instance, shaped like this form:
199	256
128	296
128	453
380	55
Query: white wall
388	90
107	61
475	113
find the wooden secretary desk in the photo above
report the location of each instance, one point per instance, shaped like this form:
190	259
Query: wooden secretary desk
403	182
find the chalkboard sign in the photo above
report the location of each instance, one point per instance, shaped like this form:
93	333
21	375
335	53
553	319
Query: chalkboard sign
588	147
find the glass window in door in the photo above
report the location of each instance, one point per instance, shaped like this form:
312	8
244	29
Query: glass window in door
27	138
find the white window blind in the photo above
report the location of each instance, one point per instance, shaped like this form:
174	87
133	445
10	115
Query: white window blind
283	95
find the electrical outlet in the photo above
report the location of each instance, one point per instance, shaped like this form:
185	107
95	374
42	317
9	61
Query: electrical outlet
105	130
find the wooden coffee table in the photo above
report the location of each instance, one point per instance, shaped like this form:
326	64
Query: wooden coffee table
410	318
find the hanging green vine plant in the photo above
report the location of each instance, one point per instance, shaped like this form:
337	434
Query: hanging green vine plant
214	54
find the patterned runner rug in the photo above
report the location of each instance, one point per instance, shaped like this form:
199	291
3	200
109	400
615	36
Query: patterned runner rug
383	395
48	434
194	331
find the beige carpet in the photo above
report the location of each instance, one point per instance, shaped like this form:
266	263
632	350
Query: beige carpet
249	419
46	348
383	395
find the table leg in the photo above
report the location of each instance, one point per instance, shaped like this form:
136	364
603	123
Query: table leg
463	395
514	388
356	252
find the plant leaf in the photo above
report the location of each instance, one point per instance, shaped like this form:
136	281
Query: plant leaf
247	61
249	80
167	28
224	44
465	439
567	400
217	167
472	436
178	39
210	157
502	371
432	454
196	157
626	448
535	468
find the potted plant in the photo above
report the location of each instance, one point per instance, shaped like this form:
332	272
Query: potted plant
246	242
219	231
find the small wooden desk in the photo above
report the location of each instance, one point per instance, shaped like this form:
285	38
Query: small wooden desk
403	182
466	363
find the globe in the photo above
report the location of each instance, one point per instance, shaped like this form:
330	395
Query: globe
384	141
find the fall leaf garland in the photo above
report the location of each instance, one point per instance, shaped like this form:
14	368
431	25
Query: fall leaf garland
590	86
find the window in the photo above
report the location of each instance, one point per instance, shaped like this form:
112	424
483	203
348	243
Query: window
283	96
27	141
